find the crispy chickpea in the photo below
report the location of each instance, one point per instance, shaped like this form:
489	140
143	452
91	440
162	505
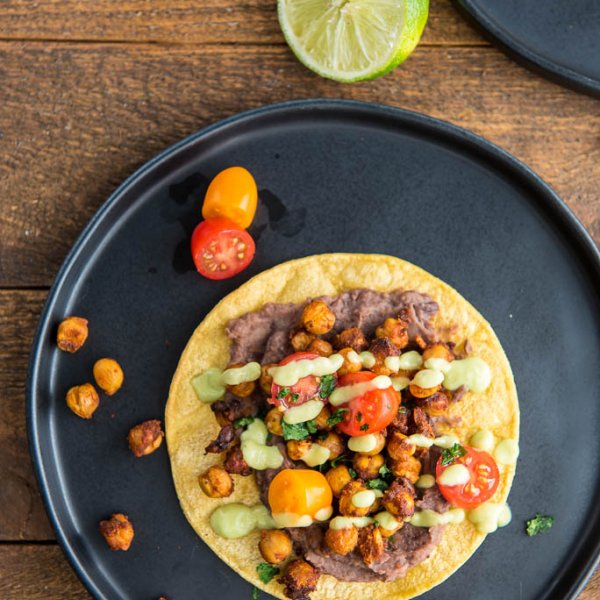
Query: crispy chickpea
300	340
145	438
273	421
300	579
317	318
275	545
422	423
395	330
334	443
241	390
83	400
379	443
419	392
399	499
371	544
349	365
320	347
438	350
420	341
216	482
382	348
296	449
407	466
72	333
434	405
351	338
338	478
117	531
347	508
341	541
266	380
367	467
322	418
397	445
390	532
108	375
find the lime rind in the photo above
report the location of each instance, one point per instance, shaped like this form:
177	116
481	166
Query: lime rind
352	40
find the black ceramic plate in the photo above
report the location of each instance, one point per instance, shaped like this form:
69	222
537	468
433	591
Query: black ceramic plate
559	38
334	176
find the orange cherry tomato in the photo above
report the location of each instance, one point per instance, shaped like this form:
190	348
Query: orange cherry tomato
232	194
370	412
480	487
221	249
300	492
305	389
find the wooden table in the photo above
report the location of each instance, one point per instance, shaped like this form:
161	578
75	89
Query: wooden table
90	90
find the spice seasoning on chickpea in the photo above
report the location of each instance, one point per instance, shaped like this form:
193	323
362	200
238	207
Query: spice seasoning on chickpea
145	438
108	375
216	482
83	400
117	531
72	334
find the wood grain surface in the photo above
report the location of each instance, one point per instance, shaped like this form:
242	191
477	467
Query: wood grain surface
90	90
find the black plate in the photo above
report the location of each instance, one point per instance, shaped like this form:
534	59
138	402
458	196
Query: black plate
558	38
334	176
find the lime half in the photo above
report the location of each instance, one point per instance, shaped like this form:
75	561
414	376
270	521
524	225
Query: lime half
352	40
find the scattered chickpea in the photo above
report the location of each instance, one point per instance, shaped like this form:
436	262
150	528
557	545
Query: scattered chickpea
382	348
399	499
83	400
342	541
379	444
322	418
108	375
275	545
296	449
407	466
117	531
334	443
241	390
320	347
434	405
317	317
266	380
299	579
419	392
398	447
438	350
367	467
347	508
371	544
145	438
351	338
216	482
72	333
273	421
396	330
349	366
338	478
300	340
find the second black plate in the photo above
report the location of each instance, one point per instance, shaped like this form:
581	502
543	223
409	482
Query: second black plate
335	177
560	38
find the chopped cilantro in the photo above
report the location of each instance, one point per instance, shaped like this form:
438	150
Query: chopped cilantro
243	421
364	427
359	416
402	410
327	386
340	459
539	524
384	471
266	572
285	392
255	593
451	454
377	484
352	472
337	417
298	431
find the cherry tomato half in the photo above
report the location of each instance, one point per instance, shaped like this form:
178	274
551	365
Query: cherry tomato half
370	412
305	389
480	487
232	194
221	249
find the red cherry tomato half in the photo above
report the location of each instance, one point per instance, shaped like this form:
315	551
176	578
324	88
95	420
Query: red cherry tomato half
305	389
370	412
480	487
221	249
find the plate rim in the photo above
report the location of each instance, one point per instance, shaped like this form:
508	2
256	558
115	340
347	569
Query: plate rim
549	69
553	205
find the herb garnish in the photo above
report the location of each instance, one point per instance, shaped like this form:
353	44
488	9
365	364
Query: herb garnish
402	410
384	471
255	593
337	417
266	572
449	455
341	458
298	431
327	386
359	416
364	427
243	422
377	484
539	524
352	472
284	392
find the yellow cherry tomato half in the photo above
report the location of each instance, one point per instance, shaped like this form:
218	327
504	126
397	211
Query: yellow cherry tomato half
299	491
232	194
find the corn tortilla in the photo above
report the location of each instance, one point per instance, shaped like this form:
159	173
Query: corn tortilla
190	424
